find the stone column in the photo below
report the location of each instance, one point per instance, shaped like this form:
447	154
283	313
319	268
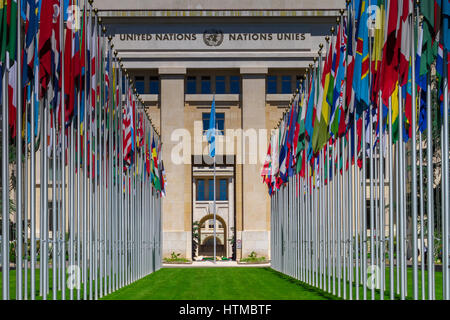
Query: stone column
176	229
255	226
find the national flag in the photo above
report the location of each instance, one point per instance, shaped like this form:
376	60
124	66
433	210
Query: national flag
126	127
446	25
31	32
390	63
12	99
377	50
320	135
265	168
155	166
430	28
406	39
338	93
211	133
8	31
361	72
394	116
48	45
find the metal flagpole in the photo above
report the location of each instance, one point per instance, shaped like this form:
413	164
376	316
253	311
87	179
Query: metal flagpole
381	231
19	243
430	210
446	207
364	206
391	207
215	195
339	217
402	191
63	156
5	187
356	209
33	199
414	163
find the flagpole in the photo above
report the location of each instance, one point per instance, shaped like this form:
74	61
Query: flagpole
215	191
5	187
63	154
414	162
391	206
19	225
33	199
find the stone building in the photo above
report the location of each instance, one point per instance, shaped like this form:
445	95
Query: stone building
246	55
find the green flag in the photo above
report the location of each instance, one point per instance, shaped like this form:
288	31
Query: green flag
8	11
429	46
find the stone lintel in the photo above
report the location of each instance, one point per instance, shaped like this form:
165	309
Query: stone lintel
172	71
254	70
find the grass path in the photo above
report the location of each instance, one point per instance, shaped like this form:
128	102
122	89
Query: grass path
217	284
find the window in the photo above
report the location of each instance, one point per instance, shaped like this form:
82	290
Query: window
220	122
139	84
220	84
211	190
154	85
223	195
191	86
271	84
206	85
235	85
205	189
286	86
201	190
211	224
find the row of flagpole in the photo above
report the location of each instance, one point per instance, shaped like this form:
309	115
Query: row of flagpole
88	221
355	205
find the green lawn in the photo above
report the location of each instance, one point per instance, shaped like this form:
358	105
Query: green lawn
409	293
245	283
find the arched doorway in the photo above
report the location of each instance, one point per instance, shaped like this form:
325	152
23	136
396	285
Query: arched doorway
206	236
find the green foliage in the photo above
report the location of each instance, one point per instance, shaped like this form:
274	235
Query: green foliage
252	257
175	257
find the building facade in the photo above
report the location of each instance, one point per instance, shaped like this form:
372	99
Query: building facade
246	55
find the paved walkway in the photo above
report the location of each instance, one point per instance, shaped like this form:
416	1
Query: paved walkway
210	264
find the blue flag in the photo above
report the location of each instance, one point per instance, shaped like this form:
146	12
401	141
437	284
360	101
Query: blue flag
211	134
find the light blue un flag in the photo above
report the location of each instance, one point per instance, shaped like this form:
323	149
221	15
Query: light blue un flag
211	134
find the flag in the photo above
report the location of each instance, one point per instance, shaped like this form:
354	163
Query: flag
320	134
163	180
361	71
8	31
155	166
446	24
300	152
395	107
377	50
126	127
390	63
338	92
12	99
31	32
406	39
430	28
211	134
265	168
48	43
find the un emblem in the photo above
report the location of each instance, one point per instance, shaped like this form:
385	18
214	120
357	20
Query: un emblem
213	37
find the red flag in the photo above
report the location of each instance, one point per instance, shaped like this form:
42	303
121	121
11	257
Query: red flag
48	41
390	64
